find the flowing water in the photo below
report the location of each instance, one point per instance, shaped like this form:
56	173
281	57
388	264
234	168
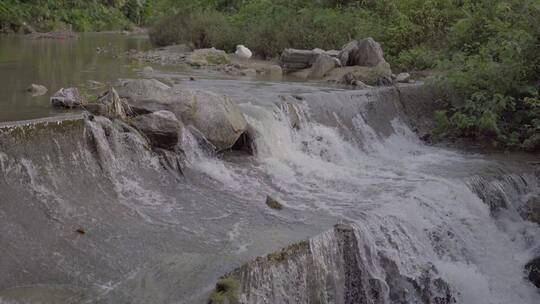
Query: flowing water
163	229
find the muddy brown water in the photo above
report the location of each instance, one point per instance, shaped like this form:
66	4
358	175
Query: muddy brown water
57	63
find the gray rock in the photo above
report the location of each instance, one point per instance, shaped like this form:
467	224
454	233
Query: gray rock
36	90
114	105
137	89
162	128
403	77
533	269
67	98
292	60
216	116
322	65
365	52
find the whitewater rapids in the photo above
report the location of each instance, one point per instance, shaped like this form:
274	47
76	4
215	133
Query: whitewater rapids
163	231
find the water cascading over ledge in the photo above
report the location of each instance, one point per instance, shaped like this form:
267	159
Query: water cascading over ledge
418	231
340	266
516	193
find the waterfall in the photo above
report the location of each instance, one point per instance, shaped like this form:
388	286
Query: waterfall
339	266
417	223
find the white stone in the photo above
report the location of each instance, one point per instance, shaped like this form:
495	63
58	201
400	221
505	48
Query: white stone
243	52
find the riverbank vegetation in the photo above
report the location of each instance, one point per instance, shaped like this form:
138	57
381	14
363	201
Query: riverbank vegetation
81	15
484	51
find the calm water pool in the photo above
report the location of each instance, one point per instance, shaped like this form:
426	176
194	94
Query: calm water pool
59	63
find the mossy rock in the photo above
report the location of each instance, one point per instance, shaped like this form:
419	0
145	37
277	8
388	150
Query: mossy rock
226	291
273	203
285	253
211	56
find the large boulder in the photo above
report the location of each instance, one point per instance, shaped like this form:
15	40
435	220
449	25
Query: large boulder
293	60
323	64
162	128
67	98
216	116
365	52
114	105
143	89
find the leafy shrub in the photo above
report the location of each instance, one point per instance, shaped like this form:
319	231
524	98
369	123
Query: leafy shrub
47	15
416	58
203	29
494	71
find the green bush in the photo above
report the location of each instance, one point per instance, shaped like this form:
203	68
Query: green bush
416	58
494	71
47	15
203	29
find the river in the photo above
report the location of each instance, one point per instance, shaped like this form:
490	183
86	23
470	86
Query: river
157	235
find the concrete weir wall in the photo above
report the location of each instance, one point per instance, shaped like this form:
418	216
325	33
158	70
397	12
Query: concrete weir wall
338	266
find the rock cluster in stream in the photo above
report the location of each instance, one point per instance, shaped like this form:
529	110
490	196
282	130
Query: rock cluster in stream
359	63
159	111
211	59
